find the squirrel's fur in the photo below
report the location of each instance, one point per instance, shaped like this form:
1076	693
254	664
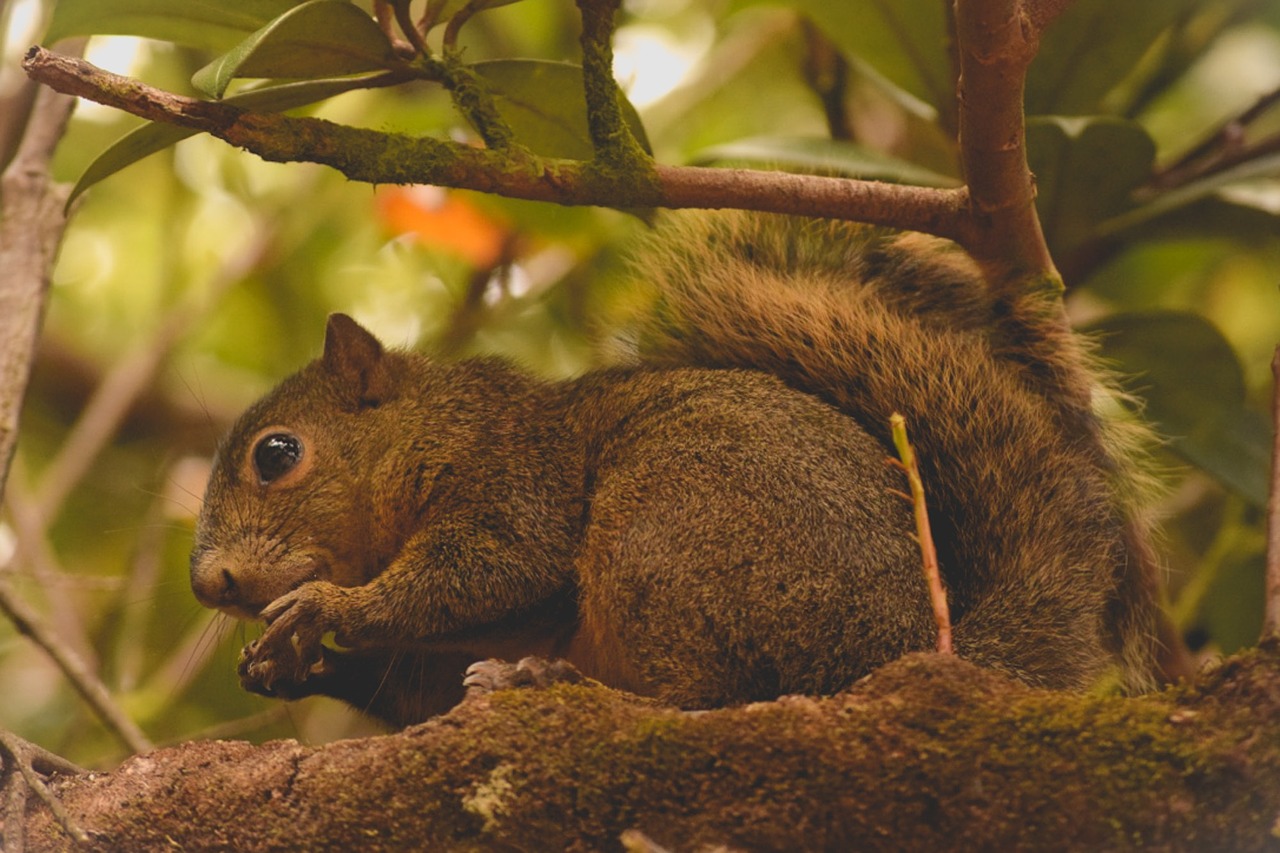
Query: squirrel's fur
691	527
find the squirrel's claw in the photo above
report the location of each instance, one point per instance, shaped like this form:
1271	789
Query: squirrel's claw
486	676
289	652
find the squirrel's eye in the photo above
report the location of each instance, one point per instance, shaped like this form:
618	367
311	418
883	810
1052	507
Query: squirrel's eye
276	455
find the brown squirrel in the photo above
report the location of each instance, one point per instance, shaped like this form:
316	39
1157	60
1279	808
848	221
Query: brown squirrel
714	525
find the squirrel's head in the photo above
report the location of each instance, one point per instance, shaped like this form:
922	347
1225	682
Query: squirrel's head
287	501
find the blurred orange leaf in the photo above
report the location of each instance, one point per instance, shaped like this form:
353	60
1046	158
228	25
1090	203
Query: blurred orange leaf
444	221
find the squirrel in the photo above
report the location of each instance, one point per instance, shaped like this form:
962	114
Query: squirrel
715	523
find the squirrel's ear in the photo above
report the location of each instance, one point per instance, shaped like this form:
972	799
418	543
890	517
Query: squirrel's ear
355	357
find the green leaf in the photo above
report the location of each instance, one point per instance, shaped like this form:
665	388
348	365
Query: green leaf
155	136
1194	389
1246	213
903	40
207	24
1093	46
1086	170
543	102
822	156
321	38
1232	610
440	11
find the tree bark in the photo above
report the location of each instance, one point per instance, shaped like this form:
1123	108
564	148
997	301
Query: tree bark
927	753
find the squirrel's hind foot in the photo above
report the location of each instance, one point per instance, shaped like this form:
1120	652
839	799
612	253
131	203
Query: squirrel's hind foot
486	676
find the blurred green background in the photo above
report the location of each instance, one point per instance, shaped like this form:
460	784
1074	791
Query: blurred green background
193	280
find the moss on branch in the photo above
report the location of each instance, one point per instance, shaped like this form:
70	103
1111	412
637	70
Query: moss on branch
928	753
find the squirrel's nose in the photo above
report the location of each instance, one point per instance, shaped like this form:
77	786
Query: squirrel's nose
214	585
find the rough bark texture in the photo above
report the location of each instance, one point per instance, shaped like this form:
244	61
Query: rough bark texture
927	753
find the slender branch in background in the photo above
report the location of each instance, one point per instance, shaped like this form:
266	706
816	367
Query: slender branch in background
28	623
1271	618
1223	149
39	563
827	73
31	225
15	109
131	376
373	157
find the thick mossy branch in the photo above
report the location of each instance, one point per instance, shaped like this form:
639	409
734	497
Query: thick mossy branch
384	158
927	753
994	219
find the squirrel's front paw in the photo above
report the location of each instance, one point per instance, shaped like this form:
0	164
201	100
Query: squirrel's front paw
289	650
487	676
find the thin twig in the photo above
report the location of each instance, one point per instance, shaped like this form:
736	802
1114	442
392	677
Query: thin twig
35	554
1222	149
26	761
924	534
827	74
1271	618
90	688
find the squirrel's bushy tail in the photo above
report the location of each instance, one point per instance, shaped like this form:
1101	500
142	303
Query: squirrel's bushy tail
1031	494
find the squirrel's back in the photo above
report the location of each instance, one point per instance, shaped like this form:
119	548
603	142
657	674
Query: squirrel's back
1032	496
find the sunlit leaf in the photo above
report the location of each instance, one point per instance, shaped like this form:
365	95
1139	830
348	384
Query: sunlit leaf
206	24
156	136
543	102
1092	47
1085	169
1193	386
321	38
822	156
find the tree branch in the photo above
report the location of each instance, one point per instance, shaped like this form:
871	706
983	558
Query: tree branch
997	41
31	224
615	145
929	752
374	157
29	761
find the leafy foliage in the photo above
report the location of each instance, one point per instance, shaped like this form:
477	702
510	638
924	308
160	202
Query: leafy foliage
319	38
